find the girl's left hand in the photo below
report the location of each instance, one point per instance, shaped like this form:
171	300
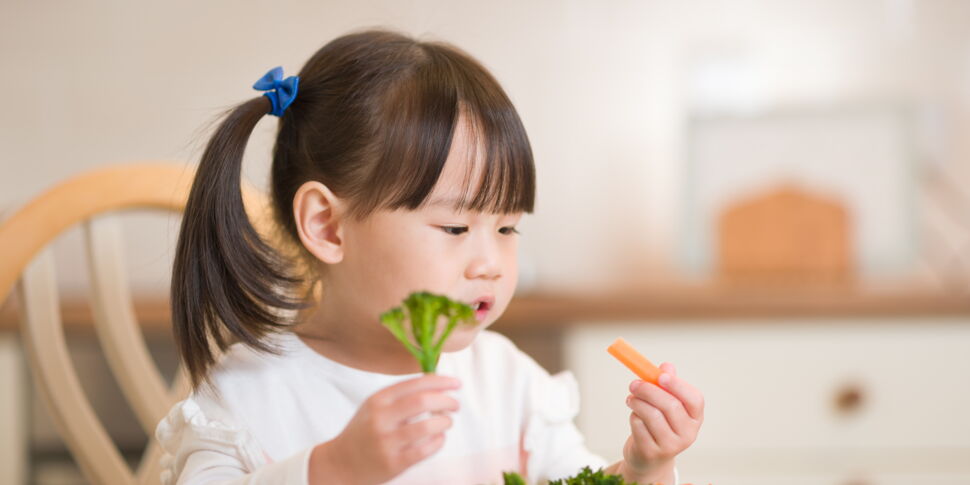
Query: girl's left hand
664	422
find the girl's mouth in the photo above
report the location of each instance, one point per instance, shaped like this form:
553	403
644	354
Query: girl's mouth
481	307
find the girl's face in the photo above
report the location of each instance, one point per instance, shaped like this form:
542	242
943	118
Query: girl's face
469	257
466	256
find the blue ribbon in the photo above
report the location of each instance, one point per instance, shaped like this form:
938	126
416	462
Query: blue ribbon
281	93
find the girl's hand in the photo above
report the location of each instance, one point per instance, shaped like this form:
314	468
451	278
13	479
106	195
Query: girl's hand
664	422
379	442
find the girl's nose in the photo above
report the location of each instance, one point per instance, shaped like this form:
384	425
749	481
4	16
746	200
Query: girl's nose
484	267
486	258
485	263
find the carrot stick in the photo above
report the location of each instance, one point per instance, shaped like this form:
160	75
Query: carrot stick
634	360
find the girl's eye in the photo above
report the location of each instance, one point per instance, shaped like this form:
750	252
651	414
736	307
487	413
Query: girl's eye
459	230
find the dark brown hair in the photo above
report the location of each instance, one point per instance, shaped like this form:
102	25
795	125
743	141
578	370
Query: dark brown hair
373	120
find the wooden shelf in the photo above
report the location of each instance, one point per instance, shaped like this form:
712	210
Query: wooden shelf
566	308
711	303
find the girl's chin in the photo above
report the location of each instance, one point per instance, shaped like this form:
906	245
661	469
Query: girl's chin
460	339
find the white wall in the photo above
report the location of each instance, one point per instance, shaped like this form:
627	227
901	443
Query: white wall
604	89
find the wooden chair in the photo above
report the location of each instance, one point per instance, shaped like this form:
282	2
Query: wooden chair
27	267
785	236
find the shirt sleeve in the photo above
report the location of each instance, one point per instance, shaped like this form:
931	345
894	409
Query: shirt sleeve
206	448
556	448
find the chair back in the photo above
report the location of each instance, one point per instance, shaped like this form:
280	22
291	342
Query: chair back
92	200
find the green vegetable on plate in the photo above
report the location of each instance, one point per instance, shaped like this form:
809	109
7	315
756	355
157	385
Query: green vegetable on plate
586	476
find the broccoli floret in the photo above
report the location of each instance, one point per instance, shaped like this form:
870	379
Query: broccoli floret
512	478
423	310
585	477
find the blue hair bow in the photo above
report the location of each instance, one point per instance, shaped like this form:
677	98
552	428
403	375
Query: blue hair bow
281	93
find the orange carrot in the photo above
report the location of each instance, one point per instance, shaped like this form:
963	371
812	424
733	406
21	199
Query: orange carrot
634	360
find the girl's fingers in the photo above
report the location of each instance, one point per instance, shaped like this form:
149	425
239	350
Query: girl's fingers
642	437
414	433
654	420
417	403
438	382
416	452
692	399
671	407
668	368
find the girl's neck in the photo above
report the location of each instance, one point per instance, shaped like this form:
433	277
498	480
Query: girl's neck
361	345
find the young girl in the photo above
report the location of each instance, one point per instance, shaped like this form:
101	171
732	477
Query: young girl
399	166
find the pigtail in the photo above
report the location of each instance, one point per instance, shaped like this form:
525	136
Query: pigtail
226	281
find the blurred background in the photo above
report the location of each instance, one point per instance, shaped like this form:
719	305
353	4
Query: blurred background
770	194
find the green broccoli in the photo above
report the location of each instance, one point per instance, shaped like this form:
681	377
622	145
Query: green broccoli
423	310
512	478
586	476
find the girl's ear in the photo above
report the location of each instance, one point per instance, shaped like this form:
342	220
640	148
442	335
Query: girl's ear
319	221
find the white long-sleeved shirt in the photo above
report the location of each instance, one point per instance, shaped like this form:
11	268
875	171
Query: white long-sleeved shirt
269	412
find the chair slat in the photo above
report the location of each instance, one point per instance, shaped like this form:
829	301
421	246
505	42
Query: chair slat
56	380
118	331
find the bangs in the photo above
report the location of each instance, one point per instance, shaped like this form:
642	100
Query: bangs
418	122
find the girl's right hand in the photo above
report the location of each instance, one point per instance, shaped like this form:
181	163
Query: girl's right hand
380	442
